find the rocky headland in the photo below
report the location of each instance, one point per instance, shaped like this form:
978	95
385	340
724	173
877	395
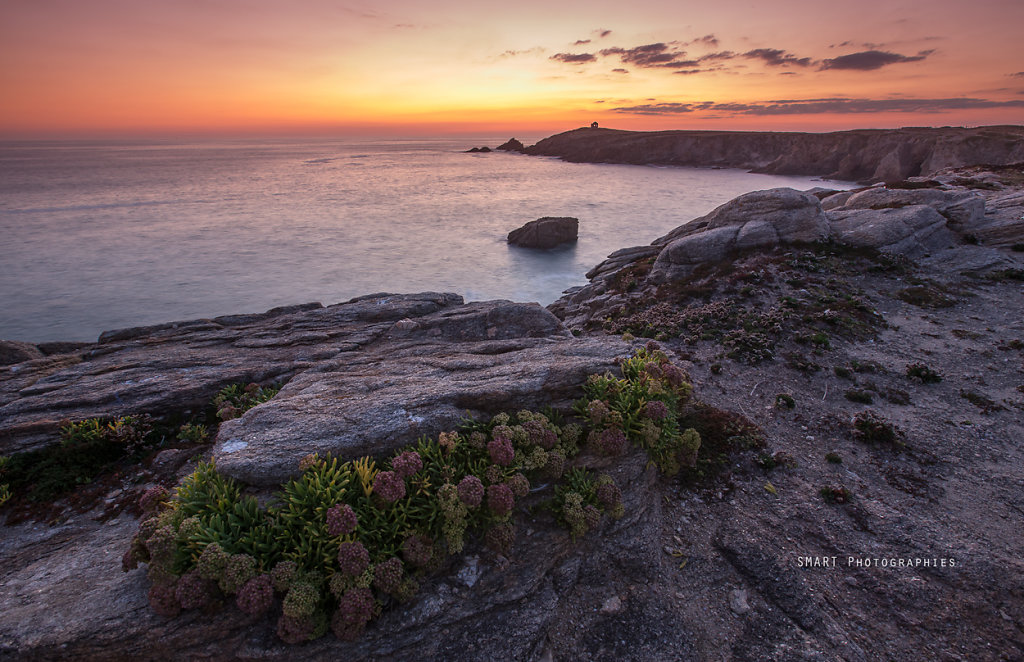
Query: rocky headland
866	155
857	362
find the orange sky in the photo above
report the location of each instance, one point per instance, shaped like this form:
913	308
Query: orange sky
398	67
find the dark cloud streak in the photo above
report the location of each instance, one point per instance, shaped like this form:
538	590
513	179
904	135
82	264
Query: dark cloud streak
573	58
871	60
821	106
777	58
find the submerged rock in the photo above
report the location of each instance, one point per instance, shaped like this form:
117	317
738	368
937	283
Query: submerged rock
546	232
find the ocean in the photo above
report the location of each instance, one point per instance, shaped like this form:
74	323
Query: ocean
99	236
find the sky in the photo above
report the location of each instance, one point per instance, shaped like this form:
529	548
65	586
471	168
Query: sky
529	67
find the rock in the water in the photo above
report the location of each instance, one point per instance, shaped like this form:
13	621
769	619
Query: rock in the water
475	150
546	232
761	219
512	145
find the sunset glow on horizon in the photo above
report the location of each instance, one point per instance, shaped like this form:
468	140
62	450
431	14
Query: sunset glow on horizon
396	67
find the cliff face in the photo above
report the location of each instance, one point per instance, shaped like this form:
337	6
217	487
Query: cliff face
863	155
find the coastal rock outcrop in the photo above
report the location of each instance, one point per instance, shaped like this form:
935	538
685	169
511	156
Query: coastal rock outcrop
913	231
180	366
418	379
861	155
762	219
546	232
512	145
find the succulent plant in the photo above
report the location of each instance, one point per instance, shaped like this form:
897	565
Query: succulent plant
388	574
193	591
389	486
341	520
500	499
407	464
471	491
355	608
301	600
257	595
501	451
353	558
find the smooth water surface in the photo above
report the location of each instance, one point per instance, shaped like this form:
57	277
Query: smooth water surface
104	236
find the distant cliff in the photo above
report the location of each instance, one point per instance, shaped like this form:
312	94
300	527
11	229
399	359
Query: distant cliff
861	155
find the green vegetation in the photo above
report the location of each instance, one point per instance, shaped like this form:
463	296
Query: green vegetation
836	495
927	295
346	540
922	373
94	447
235	400
859	395
725	304
986	404
785	400
86	449
872	429
833	458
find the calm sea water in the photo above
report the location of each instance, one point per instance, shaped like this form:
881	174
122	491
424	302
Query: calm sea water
104	236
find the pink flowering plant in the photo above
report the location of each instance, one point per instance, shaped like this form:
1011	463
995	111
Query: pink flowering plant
344	540
641	407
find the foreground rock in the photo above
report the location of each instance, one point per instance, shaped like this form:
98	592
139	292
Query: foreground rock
546	232
420	378
861	155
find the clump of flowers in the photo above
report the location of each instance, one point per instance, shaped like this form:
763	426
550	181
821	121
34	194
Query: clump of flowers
448	441
301	600
500	538
656	410
418	550
609	495
192	591
500	499
519	484
471	491
501	451
282	575
257	595
353	558
341	520
572	513
454	512
387	576
212	562
597	411
555	465
407	463
151	499
239	569
611	441
355	609
389	486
